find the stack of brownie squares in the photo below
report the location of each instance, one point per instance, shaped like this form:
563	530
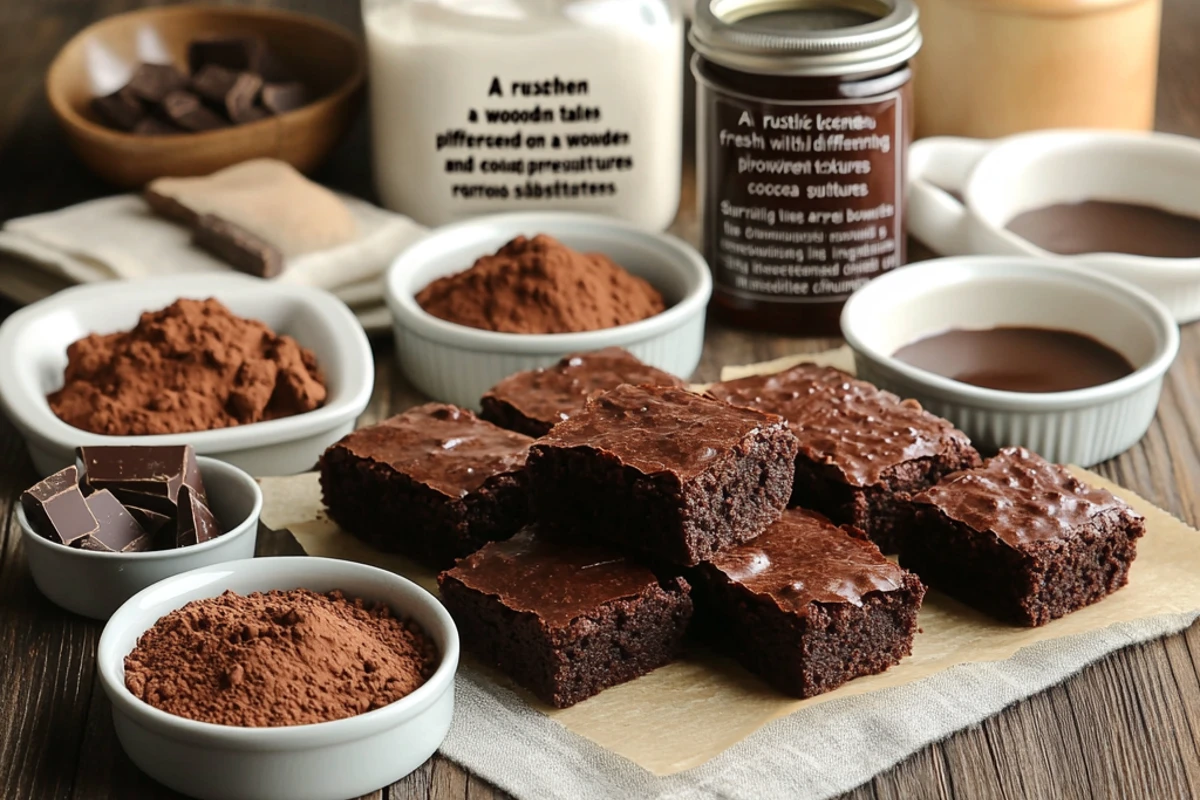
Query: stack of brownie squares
578	560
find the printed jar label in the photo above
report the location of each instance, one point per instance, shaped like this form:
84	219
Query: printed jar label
802	199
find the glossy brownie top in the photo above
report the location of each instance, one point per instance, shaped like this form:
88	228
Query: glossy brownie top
552	394
557	581
657	429
804	558
846	423
443	447
1022	498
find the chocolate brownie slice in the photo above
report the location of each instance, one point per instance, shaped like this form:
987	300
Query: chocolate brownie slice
862	450
434	482
663	471
808	605
564	620
1021	539
534	401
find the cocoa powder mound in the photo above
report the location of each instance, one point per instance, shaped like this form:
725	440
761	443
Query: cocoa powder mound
280	658
193	366
540	285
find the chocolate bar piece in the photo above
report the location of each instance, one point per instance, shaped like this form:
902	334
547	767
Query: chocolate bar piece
153	126
236	246
279	98
121	109
185	110
233	91
145	477
151	521
117	530
196	523
57	510
153	82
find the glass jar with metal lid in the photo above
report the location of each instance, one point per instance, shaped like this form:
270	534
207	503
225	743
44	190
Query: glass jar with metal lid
804	116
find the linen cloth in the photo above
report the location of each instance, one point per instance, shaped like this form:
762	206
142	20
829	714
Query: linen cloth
120	237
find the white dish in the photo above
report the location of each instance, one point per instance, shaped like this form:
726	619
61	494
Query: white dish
96	584
1082	427
1003	178
327	761
457	364
33	355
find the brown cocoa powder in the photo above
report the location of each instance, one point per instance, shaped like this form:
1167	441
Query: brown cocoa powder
540	285
278	658
192	366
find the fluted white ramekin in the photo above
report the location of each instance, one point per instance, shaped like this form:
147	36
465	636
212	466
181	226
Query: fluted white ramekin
456	364
1082	427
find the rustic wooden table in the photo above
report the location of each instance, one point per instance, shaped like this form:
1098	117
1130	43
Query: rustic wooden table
1126	727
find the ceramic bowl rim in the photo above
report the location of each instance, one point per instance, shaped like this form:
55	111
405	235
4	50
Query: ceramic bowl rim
290	737
247	525
1153	313
67	113
670	250
31	414
1075	138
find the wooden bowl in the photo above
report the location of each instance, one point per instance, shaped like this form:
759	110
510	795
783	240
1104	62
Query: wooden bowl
326	58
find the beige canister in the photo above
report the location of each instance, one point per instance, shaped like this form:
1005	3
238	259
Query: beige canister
990	68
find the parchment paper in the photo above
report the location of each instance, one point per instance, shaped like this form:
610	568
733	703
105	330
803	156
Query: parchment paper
684	714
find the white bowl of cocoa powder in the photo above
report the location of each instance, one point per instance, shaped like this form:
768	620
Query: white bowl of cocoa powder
477	301
316	679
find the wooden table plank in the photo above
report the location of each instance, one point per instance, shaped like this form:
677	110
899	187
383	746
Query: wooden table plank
1128	726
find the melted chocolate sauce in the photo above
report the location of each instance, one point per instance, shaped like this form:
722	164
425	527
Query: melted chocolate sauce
1018	359
1103	227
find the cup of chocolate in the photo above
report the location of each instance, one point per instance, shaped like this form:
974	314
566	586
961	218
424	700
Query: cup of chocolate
1018	351
1117	203
123	518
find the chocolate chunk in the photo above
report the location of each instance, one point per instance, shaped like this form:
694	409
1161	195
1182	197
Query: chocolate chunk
278	98
146	477
121	109
153	82
185	110
153	126
237	246
196	523
241	53
118	531
57	510
234	92
151	521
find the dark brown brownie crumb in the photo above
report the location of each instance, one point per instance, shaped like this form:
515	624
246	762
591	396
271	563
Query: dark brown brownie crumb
863	451
808	605
673	475
564	621
434	482
1021	539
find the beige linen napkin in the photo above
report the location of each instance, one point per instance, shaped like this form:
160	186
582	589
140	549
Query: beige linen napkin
119	237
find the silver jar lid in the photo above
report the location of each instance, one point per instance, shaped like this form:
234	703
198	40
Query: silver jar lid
806	37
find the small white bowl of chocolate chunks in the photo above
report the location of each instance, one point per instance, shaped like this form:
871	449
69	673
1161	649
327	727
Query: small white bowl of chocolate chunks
123	518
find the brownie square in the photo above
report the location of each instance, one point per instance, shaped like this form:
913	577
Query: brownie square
863	451
434	482
808	605
535	401
1021	539
663	471
565	621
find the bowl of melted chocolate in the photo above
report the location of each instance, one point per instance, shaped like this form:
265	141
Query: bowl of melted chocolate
1119	204
1018	351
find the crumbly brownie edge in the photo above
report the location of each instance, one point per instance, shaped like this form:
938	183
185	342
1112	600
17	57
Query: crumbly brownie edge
804	655
1029	586
622	640
505	415
392	512
880	509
